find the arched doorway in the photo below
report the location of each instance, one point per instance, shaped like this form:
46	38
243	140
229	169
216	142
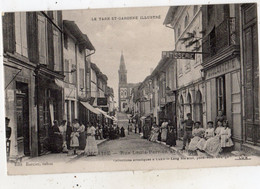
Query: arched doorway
198	107
189	106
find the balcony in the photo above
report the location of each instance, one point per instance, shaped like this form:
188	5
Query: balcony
221	39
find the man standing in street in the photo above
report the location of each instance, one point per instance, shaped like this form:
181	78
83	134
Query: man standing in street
188	124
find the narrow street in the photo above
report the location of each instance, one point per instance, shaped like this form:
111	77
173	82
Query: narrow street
130	147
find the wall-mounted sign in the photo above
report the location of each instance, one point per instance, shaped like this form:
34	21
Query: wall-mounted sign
101	101
179	55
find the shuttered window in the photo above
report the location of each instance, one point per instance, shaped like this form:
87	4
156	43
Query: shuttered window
81	78
66	69
57	50
42	39
21	33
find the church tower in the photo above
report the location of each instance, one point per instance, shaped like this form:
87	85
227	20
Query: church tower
122	87
122	72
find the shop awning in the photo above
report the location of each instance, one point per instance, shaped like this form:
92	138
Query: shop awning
89	107
114	118
104	113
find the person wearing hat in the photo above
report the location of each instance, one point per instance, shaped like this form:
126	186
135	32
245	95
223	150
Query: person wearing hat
188	124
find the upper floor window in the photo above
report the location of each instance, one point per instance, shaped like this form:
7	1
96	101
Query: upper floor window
74	74
186	21
81	78
66	69
195	9
42	39
57	49
21	33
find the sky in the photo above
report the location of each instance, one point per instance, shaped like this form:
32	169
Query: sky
141	40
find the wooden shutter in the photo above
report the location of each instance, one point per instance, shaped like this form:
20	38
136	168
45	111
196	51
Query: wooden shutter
56	50
18	41
24	34
42	40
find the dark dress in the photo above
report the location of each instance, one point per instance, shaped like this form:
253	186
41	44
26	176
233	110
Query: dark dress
146	131
68	133
122	133
171	137
82	140
56	139
117	130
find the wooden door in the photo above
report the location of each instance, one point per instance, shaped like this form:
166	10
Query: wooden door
251	73
22	124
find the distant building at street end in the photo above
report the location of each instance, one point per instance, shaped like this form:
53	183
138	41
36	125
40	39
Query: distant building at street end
124	88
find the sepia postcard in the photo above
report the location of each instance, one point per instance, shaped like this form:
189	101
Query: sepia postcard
124	89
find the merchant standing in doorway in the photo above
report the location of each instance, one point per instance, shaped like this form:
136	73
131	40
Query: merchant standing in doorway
188	124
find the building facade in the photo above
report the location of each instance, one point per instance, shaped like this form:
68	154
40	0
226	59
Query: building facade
222	65
187	24
33	64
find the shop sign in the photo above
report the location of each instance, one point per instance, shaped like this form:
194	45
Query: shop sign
179	55
223	68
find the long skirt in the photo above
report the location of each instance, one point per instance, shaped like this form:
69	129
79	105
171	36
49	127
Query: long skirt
91	146
154	137
56	146
82	141
193	143
171	139
201	144
164	135
212	146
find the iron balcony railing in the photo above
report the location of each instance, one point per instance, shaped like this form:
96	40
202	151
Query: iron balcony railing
222	36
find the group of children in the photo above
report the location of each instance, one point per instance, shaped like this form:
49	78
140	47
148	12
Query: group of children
212	141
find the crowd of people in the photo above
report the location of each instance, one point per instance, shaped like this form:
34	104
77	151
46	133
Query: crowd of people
165	133
71	138
212	140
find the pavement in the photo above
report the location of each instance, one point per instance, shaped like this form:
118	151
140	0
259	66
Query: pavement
59	157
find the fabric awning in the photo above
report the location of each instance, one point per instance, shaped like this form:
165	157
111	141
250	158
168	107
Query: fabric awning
103	112
89	107
114	118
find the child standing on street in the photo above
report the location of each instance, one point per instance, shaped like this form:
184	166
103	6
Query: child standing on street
74	141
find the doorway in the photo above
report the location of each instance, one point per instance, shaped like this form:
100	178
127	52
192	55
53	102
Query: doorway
22	113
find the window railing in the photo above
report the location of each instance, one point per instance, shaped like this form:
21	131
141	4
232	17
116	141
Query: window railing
224	36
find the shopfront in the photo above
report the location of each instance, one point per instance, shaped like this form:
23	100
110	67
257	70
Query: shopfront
223	92
50	101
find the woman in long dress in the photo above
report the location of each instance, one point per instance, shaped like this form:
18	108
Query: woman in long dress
171	135
82	136
208	134
91	146
212	146
155	133
197	134
164	131
63	131
56	138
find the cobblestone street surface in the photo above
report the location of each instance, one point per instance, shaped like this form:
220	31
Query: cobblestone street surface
131	147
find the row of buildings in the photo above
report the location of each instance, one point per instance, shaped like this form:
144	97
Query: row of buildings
49	76
218	69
